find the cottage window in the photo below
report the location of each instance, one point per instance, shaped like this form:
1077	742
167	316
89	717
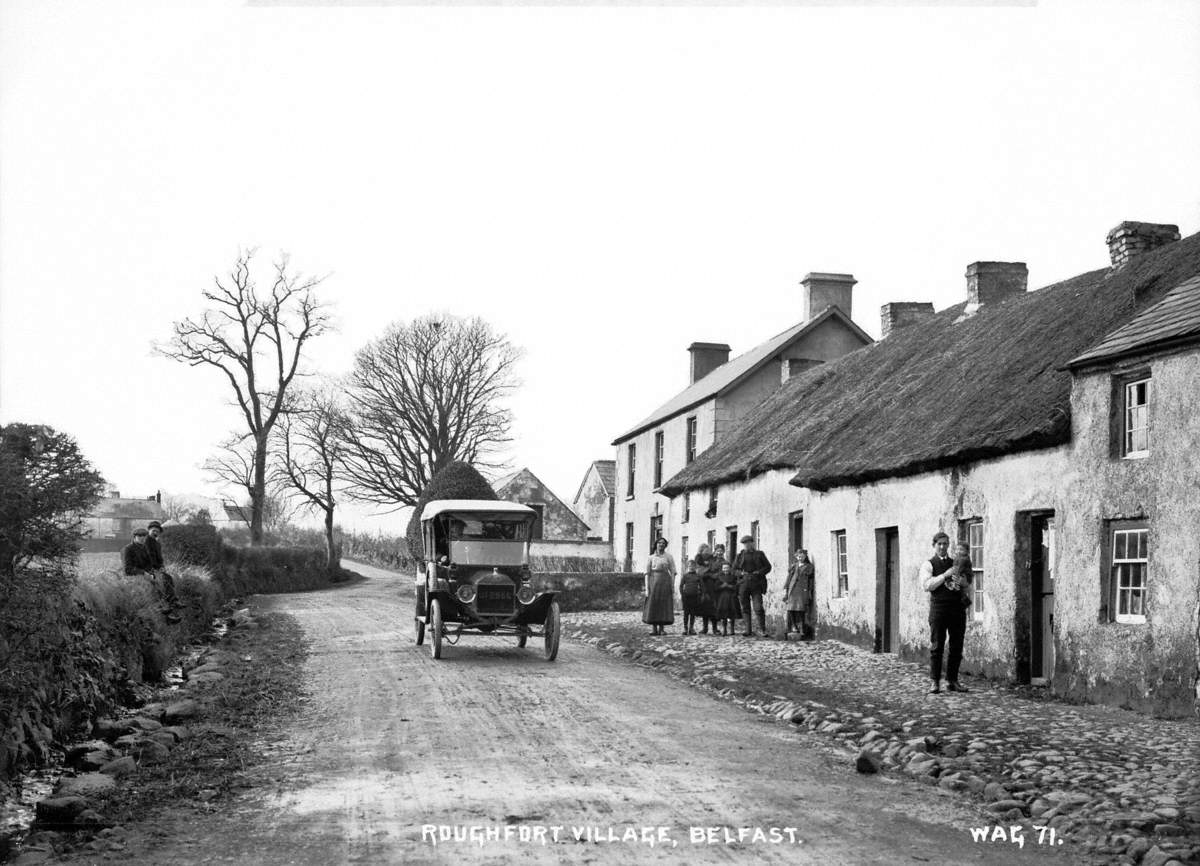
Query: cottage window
658	458
1130	573
754	531
683	553
656	531
687	506
839	563
1136	441
712	503
973	536
632	453
629	547
712	540
691	439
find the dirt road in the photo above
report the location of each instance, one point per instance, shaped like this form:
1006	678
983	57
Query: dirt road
493	736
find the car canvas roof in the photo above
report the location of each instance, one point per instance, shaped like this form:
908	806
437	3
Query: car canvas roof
443	506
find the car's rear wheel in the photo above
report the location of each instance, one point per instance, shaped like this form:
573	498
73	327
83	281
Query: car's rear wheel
420	630
435	625
552	630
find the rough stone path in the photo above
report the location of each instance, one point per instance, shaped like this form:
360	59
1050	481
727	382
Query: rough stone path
1114	782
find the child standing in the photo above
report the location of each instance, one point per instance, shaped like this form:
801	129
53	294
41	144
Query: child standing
691	591
728	609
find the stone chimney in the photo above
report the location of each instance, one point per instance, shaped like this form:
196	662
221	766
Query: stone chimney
826	290
1130	239
992	282
706	357
790	367
901	314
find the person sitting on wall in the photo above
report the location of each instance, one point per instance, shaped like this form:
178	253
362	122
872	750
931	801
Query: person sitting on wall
154	528
751	567
136	559
947	614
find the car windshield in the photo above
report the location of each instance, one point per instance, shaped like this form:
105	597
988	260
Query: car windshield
487	528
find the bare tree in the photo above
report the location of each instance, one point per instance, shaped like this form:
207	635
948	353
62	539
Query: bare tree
255	340
177	508
311	447
422	395
234	465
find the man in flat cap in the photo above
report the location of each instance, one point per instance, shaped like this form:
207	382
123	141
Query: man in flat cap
136	559
751	567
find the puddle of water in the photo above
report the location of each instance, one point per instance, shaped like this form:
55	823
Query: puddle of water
17	811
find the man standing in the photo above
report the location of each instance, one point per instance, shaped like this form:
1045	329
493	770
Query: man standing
751	567
947	615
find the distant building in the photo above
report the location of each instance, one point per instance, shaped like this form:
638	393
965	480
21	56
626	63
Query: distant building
556	521
595	499
1056	432
112	521
721	392
559	535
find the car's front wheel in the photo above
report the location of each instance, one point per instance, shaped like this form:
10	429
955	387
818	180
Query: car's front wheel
552	630
419	627
435	626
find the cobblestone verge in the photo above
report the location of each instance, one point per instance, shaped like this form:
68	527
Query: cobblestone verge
1119	785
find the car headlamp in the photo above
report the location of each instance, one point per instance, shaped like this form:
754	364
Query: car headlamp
466	593
525	593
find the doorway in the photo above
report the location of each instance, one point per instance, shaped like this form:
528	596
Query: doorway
1041	590
731	542
887	589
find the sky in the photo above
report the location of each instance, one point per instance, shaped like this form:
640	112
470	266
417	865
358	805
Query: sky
604	184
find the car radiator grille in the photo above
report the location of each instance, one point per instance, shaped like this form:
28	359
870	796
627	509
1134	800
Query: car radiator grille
495	598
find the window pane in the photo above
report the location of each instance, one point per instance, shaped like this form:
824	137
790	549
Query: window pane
1143	544
1135	602
1118	545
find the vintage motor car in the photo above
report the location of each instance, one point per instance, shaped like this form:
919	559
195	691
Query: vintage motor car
474	576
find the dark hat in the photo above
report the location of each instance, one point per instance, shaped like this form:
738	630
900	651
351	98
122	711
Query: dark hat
746	538
154	524
138	532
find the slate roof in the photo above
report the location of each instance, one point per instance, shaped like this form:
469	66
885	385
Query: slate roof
606	470
1173	321
735	370
944	392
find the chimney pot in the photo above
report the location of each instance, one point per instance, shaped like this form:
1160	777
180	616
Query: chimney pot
826	290
706	357
901	314
992	282
1131	239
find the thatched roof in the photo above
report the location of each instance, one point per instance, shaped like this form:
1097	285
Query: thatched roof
737	370
944	392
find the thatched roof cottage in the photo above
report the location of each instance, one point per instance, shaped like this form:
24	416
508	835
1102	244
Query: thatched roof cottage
1054	430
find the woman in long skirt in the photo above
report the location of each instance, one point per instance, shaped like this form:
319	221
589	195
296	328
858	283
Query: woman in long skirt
728	609
798	595
659	609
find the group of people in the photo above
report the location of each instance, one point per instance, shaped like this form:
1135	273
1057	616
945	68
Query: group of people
143	556
720	592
